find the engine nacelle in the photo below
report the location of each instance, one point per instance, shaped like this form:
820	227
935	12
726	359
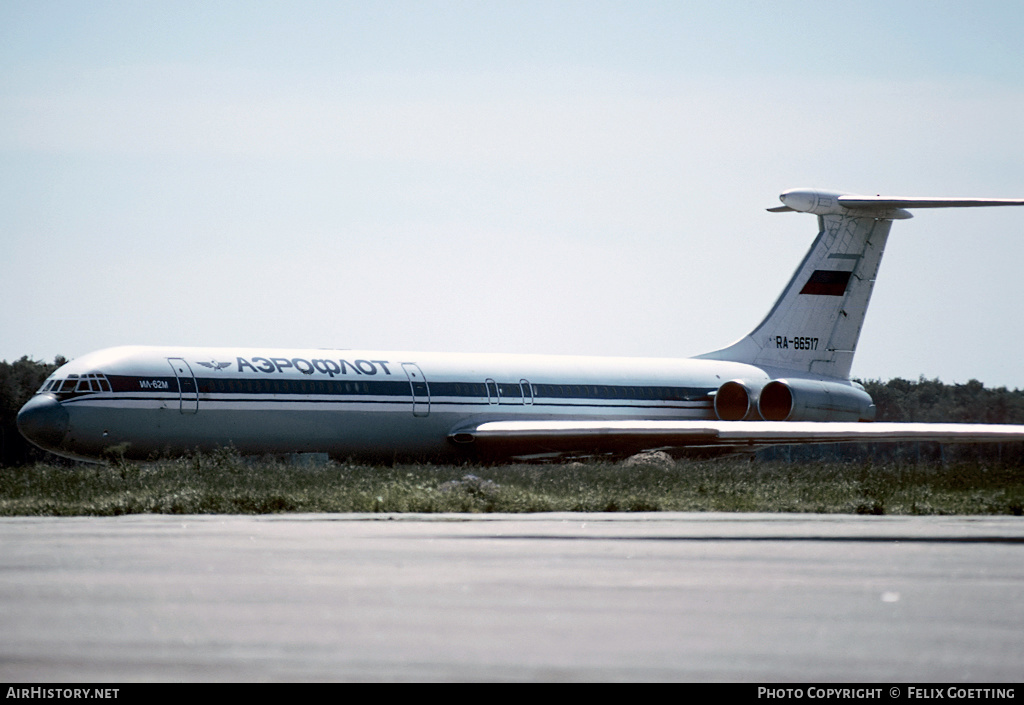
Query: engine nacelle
737	401
810	400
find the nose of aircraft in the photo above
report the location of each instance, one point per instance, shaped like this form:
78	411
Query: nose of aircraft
43	421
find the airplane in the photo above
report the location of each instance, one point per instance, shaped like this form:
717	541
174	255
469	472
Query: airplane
787	381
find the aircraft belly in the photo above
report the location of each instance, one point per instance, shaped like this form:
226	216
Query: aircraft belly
146	432
144	429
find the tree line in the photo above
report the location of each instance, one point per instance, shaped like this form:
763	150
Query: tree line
898	399
19	380
929	400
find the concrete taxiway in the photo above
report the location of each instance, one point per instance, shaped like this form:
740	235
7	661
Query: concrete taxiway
660	596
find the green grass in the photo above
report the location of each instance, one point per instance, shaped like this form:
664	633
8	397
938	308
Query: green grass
223	483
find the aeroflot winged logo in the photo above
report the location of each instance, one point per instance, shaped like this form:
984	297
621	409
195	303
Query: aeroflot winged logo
825	282
214	365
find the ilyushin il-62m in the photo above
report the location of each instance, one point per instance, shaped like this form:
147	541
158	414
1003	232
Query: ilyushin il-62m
788	381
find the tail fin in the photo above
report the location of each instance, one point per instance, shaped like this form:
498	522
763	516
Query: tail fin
814	326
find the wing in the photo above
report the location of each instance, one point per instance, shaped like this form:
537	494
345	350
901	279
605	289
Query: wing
521	437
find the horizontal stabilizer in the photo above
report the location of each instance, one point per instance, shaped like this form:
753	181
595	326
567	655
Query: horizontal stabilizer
852	201
821	202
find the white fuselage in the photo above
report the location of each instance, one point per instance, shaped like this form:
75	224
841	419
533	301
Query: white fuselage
146	401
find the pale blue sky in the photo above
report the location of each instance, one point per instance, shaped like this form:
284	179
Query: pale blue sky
551	177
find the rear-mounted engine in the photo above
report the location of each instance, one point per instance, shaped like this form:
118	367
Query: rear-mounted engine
793	400
810	400
736	401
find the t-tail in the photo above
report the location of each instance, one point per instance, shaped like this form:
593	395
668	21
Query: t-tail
813	328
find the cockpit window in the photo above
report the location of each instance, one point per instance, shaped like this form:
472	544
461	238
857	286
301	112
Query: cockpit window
77	384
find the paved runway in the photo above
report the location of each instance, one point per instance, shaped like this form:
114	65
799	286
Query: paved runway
688	597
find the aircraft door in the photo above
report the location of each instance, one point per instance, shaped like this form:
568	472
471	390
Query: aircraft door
527	388
188	389
420	389
492	391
